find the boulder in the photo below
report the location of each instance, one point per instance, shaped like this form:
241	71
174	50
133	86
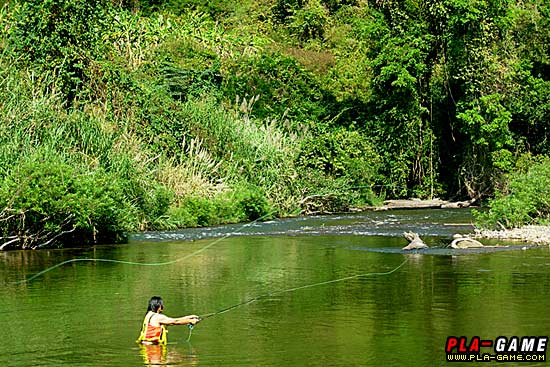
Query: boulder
461	242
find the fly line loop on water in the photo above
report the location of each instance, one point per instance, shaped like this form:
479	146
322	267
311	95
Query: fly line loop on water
194	253
204	248
163	263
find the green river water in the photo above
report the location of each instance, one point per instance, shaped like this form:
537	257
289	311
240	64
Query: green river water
89	313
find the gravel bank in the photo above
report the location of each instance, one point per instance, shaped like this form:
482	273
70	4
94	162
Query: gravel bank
539	235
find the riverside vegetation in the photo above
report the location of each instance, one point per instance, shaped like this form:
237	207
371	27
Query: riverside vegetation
127	115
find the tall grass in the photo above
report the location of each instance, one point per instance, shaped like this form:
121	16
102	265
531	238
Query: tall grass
196	174
252	153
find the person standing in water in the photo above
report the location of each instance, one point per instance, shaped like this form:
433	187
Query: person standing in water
154	326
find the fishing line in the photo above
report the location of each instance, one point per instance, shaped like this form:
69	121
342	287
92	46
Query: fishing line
288	290
194	253
190	332
47	270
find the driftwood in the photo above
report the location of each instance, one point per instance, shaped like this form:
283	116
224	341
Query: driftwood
331	203
458	204
18	235
415	242
9	241
424	204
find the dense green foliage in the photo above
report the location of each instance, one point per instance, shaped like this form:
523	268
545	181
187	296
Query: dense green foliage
60	38
523	201
124	115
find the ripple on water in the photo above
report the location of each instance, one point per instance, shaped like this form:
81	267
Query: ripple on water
441	250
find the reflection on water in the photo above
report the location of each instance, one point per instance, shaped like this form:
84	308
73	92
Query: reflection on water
159	355
154	354
90	314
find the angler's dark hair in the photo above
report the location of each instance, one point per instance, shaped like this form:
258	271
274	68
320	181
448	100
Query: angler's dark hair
155	303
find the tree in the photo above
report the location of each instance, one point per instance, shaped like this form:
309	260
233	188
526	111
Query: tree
60	38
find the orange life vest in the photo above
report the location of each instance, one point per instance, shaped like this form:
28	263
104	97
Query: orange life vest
152	334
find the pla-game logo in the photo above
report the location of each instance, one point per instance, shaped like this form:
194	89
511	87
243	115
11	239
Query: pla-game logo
501	349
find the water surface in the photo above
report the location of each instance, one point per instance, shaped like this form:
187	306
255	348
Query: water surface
89	313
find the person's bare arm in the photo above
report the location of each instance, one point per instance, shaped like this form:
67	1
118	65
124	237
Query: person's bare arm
185	320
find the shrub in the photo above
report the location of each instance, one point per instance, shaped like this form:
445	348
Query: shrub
283	87
310	21
218	7
251	204
524	202
47	201
341	153
244	204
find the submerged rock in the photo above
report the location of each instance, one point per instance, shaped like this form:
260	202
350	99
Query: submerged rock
415	242
461	242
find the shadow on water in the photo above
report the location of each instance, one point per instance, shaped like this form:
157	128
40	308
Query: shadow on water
444	251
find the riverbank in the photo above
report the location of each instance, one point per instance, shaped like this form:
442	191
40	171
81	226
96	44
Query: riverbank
423	204
533	234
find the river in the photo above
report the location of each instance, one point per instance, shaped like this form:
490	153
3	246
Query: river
324	291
